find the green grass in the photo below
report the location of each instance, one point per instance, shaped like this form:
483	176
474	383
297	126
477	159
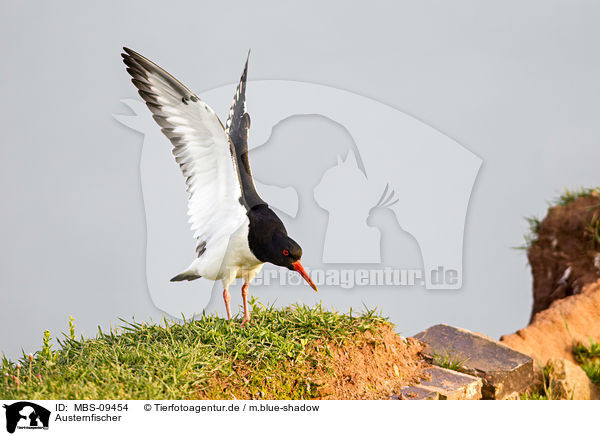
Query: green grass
592	369
593	230
584	352
533	396
569	196
589	358
448	360
543	391
273	357
532	234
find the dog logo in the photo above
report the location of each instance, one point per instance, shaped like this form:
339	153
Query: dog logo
26	415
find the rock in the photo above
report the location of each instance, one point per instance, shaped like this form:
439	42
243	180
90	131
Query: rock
503	370
554	330
416	393
560	257
452	385
569	382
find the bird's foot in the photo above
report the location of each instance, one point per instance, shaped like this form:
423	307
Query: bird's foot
246	321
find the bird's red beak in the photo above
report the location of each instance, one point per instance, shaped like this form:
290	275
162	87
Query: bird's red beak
298	267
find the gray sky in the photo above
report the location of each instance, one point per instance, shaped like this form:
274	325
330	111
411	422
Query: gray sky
514	82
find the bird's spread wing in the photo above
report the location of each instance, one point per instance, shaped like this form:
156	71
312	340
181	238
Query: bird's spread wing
237	127
201	148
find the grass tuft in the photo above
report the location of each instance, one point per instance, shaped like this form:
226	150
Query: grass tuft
542	391
584	352
593	230
532	235
533	396
569	196
589	358
592	369
448	360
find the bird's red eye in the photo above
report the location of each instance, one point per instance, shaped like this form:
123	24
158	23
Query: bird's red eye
285	252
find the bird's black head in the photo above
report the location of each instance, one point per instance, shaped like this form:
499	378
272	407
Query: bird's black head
269	242
284	251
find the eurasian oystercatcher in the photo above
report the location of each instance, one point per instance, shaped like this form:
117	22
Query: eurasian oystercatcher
235	229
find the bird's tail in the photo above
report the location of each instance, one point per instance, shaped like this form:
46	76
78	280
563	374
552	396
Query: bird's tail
186	275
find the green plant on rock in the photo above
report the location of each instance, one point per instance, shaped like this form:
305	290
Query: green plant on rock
589	358
542	391
449	360
584	352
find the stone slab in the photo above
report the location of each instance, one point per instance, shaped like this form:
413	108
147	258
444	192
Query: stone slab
452	385
503	370
416	393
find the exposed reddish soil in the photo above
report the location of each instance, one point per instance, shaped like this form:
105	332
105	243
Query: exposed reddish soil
374	368
565	264
554	330
564	259
371	365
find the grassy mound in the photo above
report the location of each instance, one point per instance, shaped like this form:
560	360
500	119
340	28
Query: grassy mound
292	353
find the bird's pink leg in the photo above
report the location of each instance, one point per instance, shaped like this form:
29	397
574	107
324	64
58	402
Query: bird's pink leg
245	298
227	299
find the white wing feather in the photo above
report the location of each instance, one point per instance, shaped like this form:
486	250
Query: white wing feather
202	149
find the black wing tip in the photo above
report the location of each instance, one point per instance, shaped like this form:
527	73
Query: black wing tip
138	60
237	109
130	52
245	73
134	56
134	59
242	84
143	67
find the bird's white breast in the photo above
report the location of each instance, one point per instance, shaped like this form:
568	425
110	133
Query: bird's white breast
229	258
